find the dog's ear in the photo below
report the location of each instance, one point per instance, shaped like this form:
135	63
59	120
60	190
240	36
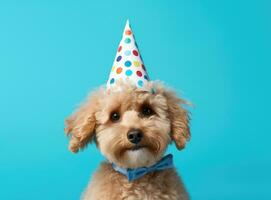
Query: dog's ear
179	118
80	126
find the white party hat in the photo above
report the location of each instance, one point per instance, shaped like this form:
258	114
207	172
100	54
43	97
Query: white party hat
128	65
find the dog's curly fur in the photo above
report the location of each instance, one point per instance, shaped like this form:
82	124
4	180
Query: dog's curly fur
169	122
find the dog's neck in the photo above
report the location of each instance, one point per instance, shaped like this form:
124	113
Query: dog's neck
132	174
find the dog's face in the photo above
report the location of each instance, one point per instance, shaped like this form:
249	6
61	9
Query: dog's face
131	127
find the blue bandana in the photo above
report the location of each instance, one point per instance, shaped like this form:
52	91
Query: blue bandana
132	174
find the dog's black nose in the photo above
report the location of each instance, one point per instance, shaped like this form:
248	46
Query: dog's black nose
135	136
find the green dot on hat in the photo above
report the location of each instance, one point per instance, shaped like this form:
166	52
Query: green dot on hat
140	83
127	40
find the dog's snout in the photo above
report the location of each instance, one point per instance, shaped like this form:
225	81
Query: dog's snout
135	136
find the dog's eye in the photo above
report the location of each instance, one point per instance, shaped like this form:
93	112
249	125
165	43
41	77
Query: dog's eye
115	116
146	111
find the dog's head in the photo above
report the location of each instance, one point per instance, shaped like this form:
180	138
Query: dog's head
131	128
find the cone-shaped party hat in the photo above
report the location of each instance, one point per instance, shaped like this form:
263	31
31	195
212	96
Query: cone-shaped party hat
128	65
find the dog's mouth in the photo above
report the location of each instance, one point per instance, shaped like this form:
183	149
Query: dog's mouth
131	149
137	147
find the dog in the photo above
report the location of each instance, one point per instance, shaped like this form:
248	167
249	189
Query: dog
132	128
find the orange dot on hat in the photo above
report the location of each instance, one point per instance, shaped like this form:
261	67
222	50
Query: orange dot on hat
119	49
119	70
128	32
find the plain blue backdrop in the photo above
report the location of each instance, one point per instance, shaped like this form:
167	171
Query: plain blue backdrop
215	53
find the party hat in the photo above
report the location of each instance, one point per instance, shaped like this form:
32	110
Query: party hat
128	65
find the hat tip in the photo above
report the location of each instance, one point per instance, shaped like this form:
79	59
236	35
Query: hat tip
127	23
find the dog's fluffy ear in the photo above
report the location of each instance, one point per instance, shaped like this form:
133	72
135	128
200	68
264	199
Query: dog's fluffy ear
179	118
80	126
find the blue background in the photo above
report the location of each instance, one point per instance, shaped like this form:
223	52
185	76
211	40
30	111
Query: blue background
217	53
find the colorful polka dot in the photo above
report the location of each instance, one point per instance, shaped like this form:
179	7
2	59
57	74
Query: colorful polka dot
128	32
143	66
136	63
127	40
140	83
119	58
139	73
127	53
135	52
128	72
119	70
112	80
146	77
128	63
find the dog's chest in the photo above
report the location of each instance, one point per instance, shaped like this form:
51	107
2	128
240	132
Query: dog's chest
145	188
111	185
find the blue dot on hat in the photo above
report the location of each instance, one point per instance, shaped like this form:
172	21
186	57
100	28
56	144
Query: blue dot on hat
112	80
127	40
140	83
127	52
128	63
128	72
119	58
